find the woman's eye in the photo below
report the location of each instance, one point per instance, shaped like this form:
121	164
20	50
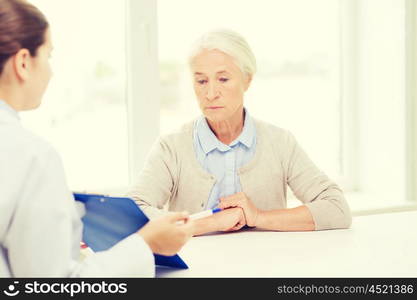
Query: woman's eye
223	79
202	81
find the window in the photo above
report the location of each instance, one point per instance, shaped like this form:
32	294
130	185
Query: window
84	110
339	74
379	109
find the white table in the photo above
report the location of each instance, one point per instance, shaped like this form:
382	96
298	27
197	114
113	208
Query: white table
382	245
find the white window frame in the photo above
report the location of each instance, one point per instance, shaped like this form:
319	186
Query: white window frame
411	99
349	155
143	102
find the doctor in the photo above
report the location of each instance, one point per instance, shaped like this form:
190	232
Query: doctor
40	228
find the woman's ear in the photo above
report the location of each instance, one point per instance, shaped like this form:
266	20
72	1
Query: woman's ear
21	64
248	80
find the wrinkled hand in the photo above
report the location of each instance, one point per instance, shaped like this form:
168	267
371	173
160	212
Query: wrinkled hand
230	219
164	235
250	211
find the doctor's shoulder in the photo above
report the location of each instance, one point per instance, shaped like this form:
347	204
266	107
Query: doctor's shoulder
28	147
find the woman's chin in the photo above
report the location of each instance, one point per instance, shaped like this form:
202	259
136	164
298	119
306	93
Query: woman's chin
33	105
215	116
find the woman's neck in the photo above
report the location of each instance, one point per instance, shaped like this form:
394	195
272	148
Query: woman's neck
228	130
12	98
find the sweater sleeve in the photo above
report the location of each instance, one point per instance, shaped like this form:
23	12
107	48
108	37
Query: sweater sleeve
154	185
321	196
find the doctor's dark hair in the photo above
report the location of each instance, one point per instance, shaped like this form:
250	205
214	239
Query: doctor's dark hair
22	26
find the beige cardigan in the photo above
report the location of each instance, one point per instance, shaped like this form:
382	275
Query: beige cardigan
173	174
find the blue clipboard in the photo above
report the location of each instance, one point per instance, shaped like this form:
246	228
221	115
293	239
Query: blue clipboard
108	220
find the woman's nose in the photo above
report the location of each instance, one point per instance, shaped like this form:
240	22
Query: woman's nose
212	92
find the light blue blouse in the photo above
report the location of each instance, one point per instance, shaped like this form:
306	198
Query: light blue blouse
223	161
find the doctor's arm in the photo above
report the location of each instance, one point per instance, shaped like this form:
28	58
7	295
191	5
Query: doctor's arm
44	236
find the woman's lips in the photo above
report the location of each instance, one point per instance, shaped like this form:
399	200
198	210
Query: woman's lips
214	107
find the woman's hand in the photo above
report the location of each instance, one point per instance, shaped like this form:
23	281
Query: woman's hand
165	236
226	220
229	219
250	211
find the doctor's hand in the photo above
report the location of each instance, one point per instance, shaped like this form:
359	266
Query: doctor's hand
250	211
164	236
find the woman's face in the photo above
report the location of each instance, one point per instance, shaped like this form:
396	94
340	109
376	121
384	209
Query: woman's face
39	74
219	85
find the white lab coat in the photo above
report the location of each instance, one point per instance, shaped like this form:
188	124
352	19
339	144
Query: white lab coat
40	225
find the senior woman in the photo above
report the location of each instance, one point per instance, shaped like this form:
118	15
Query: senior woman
228	159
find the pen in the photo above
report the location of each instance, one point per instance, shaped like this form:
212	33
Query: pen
201	214
204	213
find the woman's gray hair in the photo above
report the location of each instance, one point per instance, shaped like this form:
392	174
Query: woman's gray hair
229	42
